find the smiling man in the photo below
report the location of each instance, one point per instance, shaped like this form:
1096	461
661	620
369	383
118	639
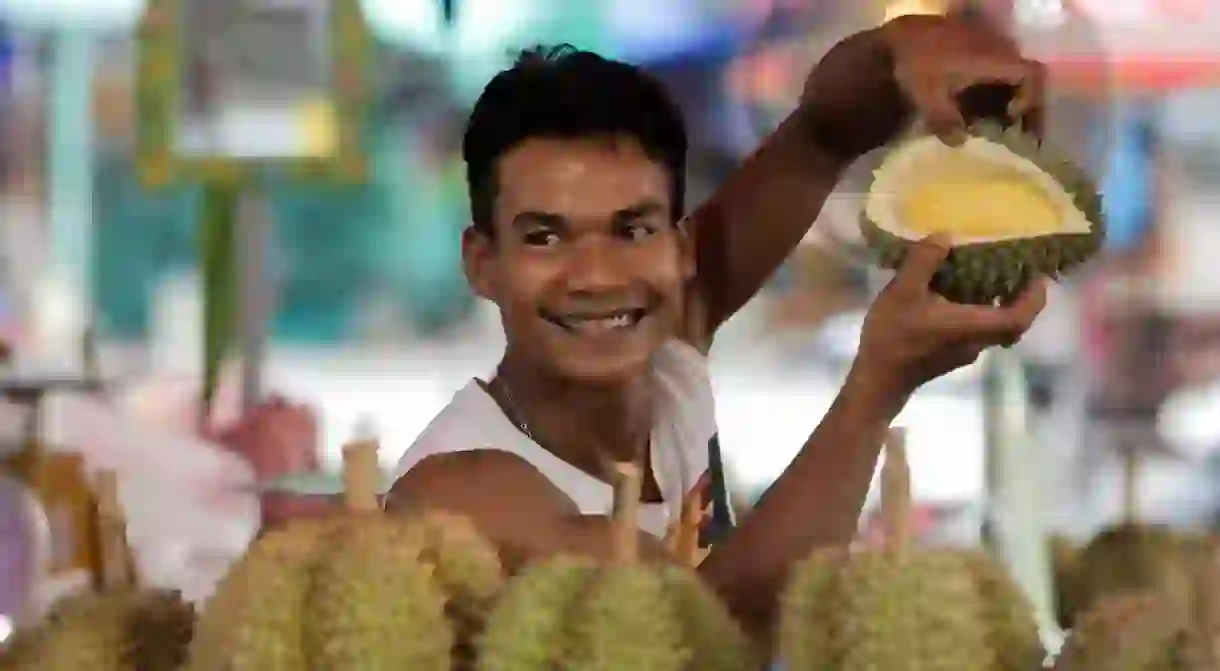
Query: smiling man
610	300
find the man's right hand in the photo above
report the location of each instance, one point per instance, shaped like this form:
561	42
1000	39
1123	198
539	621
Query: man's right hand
912	335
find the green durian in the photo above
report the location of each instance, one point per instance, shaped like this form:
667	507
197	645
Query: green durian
902	608
121	627
356	590
579	615
1012	208
1134	631
254	619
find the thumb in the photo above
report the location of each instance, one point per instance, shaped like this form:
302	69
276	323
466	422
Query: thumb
922	261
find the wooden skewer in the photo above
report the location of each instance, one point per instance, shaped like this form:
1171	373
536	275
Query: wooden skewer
116	570
686	538
361	476
625	541
896	492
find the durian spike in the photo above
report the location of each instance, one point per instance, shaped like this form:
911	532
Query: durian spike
1131	474
686	541
116	571
624	539
361	476
896	492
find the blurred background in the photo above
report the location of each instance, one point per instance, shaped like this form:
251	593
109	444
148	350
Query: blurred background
362	317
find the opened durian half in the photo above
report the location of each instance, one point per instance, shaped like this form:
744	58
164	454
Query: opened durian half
1012	208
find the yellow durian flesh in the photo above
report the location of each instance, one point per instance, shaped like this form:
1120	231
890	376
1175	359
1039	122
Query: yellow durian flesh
1012	209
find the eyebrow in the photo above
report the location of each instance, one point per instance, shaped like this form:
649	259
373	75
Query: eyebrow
640	210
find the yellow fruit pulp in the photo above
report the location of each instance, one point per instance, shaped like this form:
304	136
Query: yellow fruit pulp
979	202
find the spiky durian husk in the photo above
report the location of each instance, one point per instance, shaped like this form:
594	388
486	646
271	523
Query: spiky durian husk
160	628
253	621
1136	631
849	611
128	630
626	620
983	273
467	567
1009	614
718	642
88	633
573	614
528	629
1131	557
374	604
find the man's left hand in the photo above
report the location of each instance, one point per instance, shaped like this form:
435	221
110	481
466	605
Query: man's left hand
870	86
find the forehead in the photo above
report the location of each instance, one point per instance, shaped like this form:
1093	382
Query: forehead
578	177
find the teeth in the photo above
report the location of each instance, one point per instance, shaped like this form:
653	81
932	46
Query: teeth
599	323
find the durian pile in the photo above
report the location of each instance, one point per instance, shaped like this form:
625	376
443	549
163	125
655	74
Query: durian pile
1013	209
1131	556
118	628
1149	629
366	591
357	590
900	608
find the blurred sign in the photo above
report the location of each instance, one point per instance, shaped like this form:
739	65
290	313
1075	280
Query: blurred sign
256	79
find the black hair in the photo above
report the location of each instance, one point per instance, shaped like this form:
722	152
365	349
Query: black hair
562	92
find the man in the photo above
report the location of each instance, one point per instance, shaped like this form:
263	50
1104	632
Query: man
610	301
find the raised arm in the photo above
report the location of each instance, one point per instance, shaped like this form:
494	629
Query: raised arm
859	96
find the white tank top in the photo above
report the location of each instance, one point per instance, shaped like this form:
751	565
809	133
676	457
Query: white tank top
684	427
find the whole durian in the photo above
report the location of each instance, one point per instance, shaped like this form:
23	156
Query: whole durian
339	592
577	614
899	608
1012	209
118	628
1133	631
1134	556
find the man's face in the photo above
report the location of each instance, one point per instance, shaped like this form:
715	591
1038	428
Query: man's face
587	267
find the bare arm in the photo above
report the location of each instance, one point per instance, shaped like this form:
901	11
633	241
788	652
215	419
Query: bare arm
513	504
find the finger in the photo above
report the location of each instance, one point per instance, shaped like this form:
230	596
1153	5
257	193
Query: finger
929	92
1030	304
987	70
922	261
965	355
984	325
1030	102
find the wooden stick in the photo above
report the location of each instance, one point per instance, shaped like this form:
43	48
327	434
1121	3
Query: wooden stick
116	572
1130	493
625	538
896	493
361	476
686	539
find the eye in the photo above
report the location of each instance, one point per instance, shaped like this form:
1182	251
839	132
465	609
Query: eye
541	238
636	230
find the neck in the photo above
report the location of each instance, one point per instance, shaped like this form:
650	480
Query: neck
586	425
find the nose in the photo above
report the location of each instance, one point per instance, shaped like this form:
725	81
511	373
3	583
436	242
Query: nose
595	267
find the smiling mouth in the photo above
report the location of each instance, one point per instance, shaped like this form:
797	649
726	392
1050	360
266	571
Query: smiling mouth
600	322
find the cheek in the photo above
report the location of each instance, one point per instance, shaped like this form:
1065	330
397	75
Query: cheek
523	289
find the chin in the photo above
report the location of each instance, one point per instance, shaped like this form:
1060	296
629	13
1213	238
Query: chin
604	371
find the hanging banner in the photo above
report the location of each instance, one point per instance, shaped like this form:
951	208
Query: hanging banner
1099	46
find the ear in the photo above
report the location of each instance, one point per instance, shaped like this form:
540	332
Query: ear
686	250
478	252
